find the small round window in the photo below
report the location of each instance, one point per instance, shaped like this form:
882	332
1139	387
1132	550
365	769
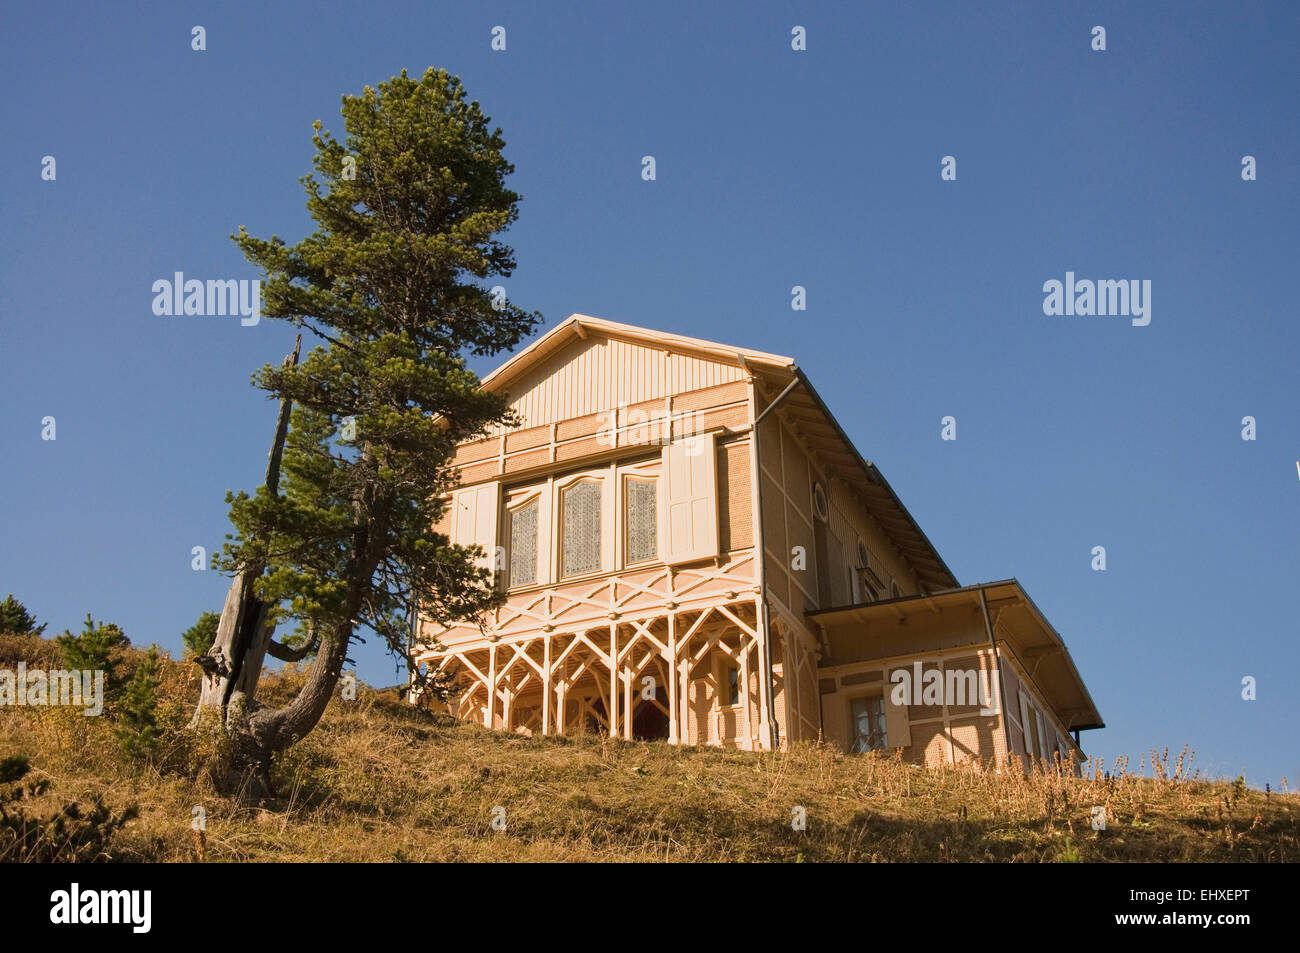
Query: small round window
820	506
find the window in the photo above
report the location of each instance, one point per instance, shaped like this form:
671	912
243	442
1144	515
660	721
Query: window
863	590
642	527
523	544
868	723
580	506
1031	733
730	694
820	506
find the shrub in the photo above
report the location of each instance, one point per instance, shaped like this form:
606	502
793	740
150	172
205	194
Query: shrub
199	637
32	649
34	827
137	729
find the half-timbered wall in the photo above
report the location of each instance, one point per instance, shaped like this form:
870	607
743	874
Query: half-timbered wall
930	734
824	571
1025	705
861	660
813	563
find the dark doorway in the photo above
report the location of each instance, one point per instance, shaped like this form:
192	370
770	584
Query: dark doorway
649	723
593	725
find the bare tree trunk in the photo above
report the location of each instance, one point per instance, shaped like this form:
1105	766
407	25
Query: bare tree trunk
258	733
232	666
274	729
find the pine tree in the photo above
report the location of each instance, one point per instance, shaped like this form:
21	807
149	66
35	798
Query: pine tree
198	638
93	649
395	281
14	617
137	728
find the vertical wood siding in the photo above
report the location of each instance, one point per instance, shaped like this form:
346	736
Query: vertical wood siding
597	376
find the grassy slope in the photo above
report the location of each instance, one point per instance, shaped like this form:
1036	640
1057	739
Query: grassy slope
379	780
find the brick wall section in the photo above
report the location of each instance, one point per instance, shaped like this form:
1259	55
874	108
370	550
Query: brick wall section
735	511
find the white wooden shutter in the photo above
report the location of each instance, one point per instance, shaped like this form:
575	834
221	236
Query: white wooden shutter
1043	732
688	512
475	520
898	729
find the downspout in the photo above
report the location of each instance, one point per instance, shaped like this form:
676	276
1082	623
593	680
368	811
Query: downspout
1002	685
756	469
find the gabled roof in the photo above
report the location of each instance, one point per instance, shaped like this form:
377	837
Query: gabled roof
578	326
803	407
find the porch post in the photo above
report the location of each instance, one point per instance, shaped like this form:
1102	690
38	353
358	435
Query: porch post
546	684
684	693
744	680
672	679
627	702
491	686
612	714
765	703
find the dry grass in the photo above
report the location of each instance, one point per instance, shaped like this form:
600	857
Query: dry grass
381	781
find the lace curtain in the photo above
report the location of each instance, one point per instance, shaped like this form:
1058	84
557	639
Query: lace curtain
523	545
581	506
642	526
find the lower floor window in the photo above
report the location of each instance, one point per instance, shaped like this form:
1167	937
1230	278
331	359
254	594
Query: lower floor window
869	723
1031	736
729	685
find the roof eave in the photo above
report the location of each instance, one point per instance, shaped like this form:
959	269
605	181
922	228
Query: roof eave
1053	636
874	475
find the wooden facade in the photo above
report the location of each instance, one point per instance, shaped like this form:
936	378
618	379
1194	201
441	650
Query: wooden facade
691	549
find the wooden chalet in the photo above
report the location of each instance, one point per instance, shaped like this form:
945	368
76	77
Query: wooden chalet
693	550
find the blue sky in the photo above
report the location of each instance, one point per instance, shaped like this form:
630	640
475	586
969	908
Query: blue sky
775	168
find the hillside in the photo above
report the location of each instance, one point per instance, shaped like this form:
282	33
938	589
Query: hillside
381	781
